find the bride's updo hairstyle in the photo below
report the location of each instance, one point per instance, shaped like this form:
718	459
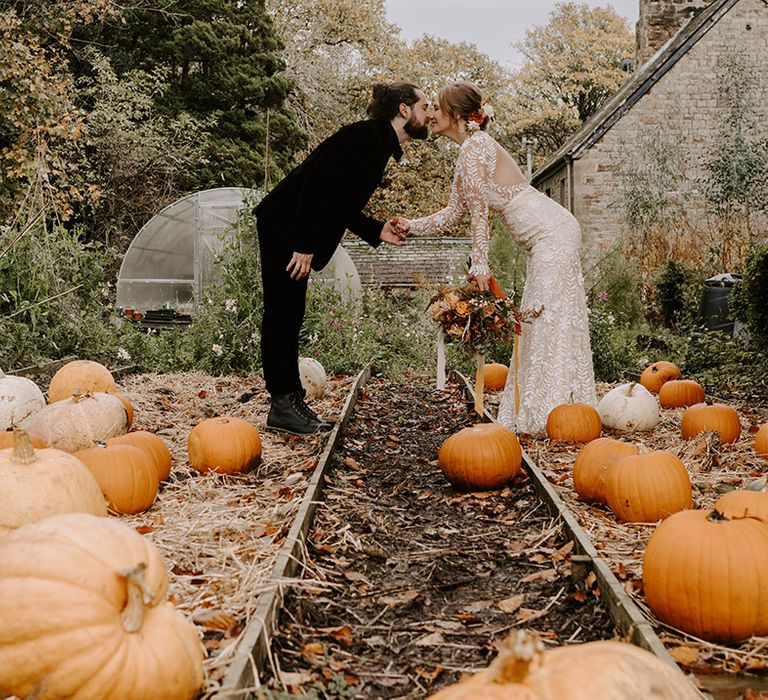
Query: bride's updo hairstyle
387	98
460	99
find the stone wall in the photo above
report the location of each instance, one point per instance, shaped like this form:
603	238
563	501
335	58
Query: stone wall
678	119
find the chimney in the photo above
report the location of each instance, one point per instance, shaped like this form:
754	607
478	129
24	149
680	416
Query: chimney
660	20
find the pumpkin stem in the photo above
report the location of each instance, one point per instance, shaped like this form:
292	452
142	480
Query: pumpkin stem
139	597
519	654
631	388
717	517
76	395
23	452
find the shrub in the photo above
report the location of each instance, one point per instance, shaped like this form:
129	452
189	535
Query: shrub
678	288
748	300
614	353
613	283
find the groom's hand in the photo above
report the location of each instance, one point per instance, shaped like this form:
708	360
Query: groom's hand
300	265
391	234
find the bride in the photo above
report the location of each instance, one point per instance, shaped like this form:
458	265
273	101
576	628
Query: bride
555	357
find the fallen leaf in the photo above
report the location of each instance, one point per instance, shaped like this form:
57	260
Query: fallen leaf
202	394
430	640
428	676
313	648
343	635
400	599
354	576
510	605
295	679
544	575
526	614
394	438
144	529
684	655
563	552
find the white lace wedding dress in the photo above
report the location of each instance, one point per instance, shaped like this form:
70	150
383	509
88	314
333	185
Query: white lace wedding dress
555	359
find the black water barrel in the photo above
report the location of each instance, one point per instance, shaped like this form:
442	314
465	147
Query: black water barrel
713	312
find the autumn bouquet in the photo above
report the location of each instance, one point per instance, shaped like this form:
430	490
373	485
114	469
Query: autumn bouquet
476	320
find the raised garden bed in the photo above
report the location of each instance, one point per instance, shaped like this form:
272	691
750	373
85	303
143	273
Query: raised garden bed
409	584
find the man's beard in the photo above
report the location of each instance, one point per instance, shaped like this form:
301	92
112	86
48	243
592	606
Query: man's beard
416	130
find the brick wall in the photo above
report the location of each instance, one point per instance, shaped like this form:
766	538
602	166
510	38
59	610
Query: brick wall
682	108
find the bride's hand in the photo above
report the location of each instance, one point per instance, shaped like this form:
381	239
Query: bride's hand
482	281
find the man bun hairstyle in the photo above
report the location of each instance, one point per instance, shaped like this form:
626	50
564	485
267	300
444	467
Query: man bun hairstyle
387	98
461	99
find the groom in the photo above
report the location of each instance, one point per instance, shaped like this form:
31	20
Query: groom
301	222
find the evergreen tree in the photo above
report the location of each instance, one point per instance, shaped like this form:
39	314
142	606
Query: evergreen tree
222	59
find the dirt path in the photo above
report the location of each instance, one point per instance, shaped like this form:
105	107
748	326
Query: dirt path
409	583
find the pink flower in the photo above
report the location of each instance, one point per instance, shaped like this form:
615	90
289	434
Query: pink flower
603	295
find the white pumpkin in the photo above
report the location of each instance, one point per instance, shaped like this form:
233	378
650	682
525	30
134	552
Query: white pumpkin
629	407
79	421
19	398
312	377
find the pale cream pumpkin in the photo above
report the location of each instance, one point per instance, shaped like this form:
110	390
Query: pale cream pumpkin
84	611
523	670
35	484
313	377
19	398
79	421
80	376
629	407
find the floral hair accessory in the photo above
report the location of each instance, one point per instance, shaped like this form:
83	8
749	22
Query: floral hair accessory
476	117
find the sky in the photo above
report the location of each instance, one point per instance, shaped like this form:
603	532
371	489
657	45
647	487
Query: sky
492	25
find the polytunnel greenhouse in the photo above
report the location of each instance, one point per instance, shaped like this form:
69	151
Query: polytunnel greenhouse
174	255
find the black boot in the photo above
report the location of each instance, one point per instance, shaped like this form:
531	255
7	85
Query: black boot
287	414
323	421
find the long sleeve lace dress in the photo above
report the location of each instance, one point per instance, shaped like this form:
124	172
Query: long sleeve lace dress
555	363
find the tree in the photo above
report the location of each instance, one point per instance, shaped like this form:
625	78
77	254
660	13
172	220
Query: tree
573	64
223	66
40	124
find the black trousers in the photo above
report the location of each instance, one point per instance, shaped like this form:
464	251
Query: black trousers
285	300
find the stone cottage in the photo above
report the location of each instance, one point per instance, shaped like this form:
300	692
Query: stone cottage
672	106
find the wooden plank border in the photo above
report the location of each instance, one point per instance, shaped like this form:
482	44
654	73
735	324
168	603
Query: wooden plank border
624	612
253	648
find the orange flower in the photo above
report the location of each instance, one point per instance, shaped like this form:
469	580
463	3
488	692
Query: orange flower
462	308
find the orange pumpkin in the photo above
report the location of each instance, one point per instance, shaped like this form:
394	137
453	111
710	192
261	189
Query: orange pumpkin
150	443
761	441
84	376
592	464
743	503
574	422
225	444
128	407
654	376
708	575
483	457
718	417
647	487
495	376
126	474
524	670
680	393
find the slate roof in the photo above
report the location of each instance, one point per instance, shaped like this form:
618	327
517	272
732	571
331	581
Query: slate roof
631	92
419	261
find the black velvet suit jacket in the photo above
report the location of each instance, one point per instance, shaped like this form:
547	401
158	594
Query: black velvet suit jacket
309	210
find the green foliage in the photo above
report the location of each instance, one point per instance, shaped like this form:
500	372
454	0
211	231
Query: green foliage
223	66
391	329
614	352
612	284
735	181
509	262
52	295
724	365
748	300
678	288
133	159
